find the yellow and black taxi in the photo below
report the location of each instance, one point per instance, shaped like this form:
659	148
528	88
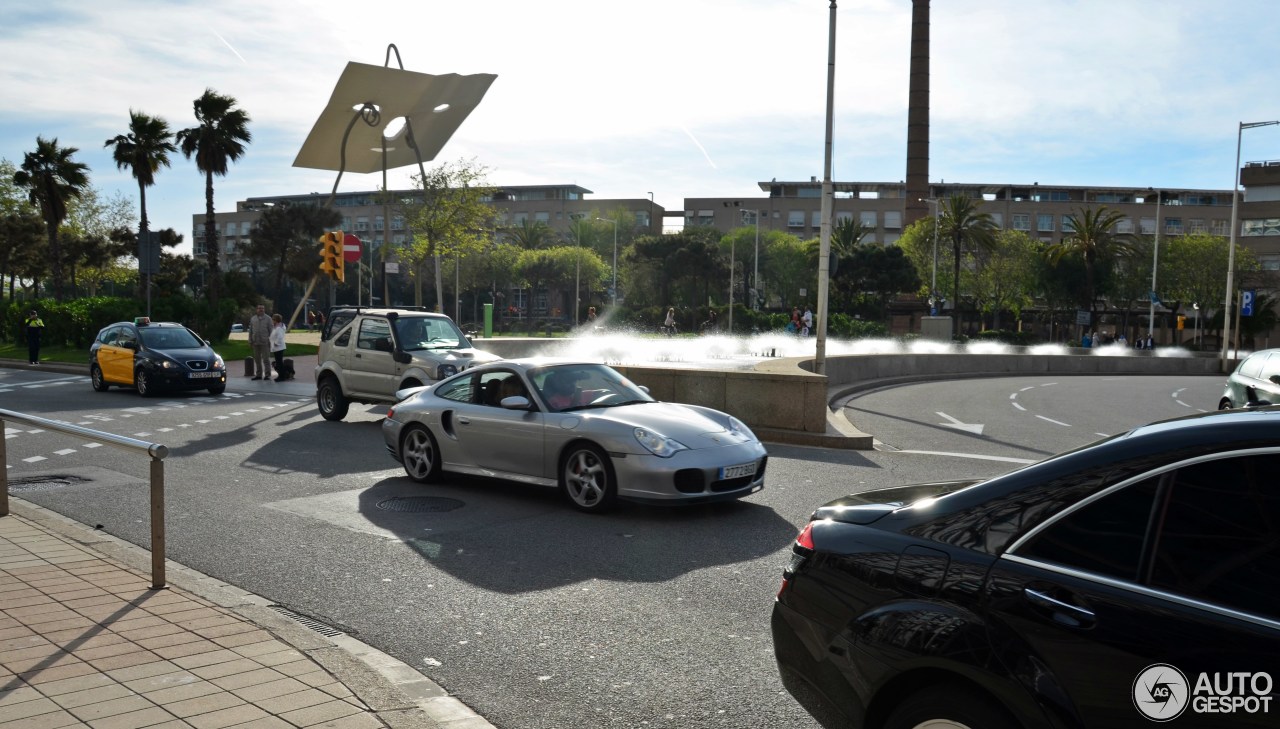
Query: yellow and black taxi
151	356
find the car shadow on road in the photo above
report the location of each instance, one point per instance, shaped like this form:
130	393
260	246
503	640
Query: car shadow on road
514	538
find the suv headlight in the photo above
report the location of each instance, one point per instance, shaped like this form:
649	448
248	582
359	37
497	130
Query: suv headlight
658	444
446	370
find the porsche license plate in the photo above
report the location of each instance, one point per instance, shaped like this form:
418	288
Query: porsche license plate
746	469
203	375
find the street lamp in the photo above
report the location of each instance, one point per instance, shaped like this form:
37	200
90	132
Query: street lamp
1155	257
755	275
614	297
1231	250
1195	337
933	284
577	273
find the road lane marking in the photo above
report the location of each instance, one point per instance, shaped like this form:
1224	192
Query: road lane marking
1016	405
975	428
1006	459
1055	422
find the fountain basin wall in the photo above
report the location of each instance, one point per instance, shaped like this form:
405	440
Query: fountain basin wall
783	401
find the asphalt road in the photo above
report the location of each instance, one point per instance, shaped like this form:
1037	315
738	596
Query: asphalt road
531	613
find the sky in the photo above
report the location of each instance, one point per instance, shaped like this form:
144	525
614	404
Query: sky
688	98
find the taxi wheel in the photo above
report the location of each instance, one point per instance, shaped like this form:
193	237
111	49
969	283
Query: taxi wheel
142	381
99	382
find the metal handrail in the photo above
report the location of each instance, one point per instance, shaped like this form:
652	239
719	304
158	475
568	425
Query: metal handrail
156	451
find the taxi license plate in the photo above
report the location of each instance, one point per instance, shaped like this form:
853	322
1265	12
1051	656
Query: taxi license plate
203	375
746	469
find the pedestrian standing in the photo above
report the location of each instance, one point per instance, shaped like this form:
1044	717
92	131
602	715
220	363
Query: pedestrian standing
806	320
35	328
277	346
669	325
260	341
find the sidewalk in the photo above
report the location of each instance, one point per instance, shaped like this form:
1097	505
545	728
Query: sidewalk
85	641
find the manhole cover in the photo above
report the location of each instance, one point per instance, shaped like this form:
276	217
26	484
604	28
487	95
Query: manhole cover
419	504
42	483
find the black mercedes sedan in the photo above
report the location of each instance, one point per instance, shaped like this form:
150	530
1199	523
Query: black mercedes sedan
1131	581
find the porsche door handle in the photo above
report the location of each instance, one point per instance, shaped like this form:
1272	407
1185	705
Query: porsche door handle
1063	612
464	420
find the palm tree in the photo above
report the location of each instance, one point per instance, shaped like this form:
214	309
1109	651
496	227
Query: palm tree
531	234
54	179
219	139
1094	238
143	151
967	228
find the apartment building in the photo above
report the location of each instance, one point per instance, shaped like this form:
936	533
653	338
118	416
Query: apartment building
365	214
1039	210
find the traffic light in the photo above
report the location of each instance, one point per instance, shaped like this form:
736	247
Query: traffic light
332	262
1182	322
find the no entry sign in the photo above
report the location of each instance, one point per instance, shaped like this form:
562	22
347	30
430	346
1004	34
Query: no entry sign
350	248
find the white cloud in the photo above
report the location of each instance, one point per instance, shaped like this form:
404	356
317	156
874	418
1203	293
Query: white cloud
697	98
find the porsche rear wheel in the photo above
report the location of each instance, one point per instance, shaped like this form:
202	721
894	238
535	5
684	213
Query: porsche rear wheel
587	480
419	454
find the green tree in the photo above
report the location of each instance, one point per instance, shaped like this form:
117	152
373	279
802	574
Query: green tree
530	234
218	140
871	275
143	150
21	244
967	229
451	219
284	239
1094	238
1005	275
52	178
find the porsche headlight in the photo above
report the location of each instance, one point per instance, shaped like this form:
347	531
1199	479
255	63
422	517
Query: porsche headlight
658	444
739	428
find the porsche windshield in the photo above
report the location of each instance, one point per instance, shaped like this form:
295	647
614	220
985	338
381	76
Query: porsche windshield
421	332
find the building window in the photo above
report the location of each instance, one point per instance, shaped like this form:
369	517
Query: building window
1021	221
892	221
868	218
706	217
642	219
998	219
1173	226
1261	226
541	217
891	238
1147	226
1044	222
1219	227
346	223
231	229
868	238
1068	224
1059	196
843	216
1196	225
397	239
795	219
817	219
1269	263
245	226
1125	225
378	224
362	223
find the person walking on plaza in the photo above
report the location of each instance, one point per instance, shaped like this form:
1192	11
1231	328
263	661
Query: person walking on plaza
277	346
669	325
260	340
806	321
35	328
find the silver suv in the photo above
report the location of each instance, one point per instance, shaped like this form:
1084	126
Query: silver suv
366	355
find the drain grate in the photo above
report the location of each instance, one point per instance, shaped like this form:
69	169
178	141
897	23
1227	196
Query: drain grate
32	484
325	630
419	504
